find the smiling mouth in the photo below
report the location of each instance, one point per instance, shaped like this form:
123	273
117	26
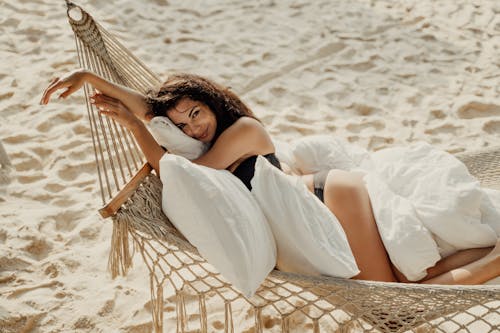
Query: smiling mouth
204	135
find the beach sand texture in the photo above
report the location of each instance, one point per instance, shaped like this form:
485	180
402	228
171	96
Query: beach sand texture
378	73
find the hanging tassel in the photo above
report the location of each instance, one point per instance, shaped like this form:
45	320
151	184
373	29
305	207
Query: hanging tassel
203	313
120	259
258	319
228	315
182	320
315	325
285	324
156	304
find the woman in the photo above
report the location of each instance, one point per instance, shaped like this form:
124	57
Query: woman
215	115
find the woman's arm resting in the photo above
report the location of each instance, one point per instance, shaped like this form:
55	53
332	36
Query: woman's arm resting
118	111
132	99
245	137
151	149
74	80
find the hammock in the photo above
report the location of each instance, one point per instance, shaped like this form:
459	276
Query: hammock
131	196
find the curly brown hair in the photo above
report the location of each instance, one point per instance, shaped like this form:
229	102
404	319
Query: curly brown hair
226	106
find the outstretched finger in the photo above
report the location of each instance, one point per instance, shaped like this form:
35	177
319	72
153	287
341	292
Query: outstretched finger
45	93
51	89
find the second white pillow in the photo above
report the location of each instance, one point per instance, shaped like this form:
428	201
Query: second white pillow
309	238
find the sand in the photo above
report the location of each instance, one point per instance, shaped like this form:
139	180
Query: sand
378	73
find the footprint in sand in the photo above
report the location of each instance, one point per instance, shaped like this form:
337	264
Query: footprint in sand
67	220
353	138
42	152
477	110
250	63
84	323
38	248
63	65
437	114
73	144
267	56
13	264
10	22
89	233
19	323
444	129
81	130
51	270
218	325
30	179
64	202
278	91
379	142
54	187
363	109
492	127
107	308
6	95
28	164
376	125
269	321
61	118
71	264
20	138
71	172
3	235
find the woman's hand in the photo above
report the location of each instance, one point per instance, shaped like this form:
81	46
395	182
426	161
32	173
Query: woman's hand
72	82
115	109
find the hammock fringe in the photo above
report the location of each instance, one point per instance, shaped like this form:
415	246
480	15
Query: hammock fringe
120	256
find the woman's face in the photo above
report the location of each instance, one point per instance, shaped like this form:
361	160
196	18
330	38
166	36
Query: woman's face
194	118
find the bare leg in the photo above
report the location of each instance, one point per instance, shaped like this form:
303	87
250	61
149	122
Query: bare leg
346	196
456	260
476	272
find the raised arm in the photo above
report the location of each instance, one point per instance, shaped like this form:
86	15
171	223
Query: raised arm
74	80
124	105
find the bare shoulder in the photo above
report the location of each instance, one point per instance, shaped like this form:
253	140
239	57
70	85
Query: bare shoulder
254	132
247	128
244	138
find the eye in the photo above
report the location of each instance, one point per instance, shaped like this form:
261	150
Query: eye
195	113
181	126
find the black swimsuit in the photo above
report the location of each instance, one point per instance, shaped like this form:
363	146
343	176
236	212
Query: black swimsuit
319	180
246	169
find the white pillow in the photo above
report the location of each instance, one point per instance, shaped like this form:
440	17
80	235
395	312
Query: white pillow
309	238
217	214
175	140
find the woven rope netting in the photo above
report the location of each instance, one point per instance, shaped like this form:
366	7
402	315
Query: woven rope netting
284	301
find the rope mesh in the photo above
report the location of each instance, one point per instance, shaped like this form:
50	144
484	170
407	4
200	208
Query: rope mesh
318	304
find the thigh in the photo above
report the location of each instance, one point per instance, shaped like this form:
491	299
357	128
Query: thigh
346	196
